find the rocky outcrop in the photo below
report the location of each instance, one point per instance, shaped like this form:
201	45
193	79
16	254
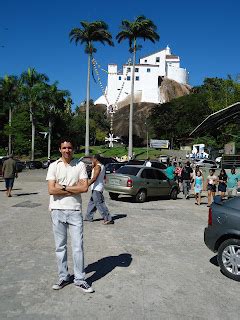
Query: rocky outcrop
141	112
169	90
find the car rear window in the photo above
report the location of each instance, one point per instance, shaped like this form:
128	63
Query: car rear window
136	162
158	165
132	171
233	203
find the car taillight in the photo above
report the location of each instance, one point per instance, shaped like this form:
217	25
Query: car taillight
129	183
210	217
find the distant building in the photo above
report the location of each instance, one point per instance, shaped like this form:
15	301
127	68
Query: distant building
149	74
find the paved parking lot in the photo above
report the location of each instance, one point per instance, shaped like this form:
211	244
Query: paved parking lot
151	264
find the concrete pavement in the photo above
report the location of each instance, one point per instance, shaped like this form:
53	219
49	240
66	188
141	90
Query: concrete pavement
151	264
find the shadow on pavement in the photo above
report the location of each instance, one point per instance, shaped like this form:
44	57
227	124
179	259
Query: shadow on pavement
25	194
106	265
119	216
214	261
149	199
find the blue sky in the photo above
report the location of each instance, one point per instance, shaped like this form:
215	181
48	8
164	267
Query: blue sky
205	34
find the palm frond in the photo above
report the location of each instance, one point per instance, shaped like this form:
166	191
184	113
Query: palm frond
141	27
96	31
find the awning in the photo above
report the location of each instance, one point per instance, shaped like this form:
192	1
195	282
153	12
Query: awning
215	120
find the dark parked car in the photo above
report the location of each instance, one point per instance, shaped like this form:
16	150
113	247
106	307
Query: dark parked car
33	164
20	165
88	162
222	235
45	163
113	167
105	160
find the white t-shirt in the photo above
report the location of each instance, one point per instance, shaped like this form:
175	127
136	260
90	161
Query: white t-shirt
212	179
67	175
98	185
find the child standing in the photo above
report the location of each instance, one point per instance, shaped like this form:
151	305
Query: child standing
198	187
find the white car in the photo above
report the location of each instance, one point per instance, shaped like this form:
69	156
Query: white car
218	159
206	163
163	158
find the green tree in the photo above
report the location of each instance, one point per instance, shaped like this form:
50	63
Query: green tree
219	92
89	33
99	124
33	90
140	28
55	101
9	100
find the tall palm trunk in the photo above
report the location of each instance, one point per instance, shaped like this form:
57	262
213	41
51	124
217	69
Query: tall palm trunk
130	143
87	108
10	128
49	137
33	132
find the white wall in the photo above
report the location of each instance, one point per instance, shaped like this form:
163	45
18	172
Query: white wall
177	74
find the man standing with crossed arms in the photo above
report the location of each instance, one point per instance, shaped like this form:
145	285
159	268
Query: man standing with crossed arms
67	179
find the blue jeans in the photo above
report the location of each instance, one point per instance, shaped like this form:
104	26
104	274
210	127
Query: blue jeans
97	202
186	187
61	221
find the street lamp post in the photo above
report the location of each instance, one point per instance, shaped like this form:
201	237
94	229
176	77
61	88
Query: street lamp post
147	137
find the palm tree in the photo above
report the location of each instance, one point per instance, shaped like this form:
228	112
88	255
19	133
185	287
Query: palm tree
89	33
9	89
33	89
140	28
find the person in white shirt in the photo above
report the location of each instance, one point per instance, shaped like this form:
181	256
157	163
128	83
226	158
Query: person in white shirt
148	163
97	199
67	179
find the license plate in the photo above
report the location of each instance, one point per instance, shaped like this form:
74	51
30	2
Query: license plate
115	182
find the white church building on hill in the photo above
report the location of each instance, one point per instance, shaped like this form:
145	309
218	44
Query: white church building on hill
149	74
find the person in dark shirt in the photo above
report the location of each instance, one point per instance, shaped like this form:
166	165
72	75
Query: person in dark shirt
222	186
186	177
9	170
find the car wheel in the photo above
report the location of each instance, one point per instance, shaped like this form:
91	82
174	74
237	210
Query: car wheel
174	194
141	196
113	196
229	258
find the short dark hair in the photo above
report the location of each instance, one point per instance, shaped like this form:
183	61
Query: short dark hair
97	157
66	139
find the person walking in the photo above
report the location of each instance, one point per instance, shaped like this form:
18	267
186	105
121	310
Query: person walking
97	186
211	186
186	177
178	172
170	171
9	172
232	182
67	179
222	180
198	187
